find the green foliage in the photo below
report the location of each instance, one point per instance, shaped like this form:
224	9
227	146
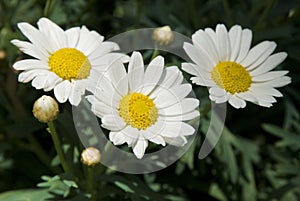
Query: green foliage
58	185
25	195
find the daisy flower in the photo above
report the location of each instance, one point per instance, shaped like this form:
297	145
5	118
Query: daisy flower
234	72
144	105
63	60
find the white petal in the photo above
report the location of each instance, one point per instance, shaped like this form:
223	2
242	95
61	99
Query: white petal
88	41
118	76
263	97
173	77
99	108
220	99
72	36
269	76
184	117
223	43
140	147
62	91
117	138
178	141
279	82
157	140
213	36
203	81
153	74
269	64
28	64
158	127
45	81
93	79
256	52
131	135
245	45
77	91
27	76
55	35
190	68
264	104
52	81
103	49
237	102
235	34
30	49
247	96
185	106
36	37
217	91
258	88
174	129
198	56
202	40
136	71
168	97
106	92
39	82
113	122
187	129
263	57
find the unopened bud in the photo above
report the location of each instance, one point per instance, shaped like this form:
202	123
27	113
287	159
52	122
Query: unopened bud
45	109
2	54
90	156
163	35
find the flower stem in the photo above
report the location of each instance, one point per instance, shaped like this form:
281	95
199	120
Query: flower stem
155	53
58	146
47	8
91	182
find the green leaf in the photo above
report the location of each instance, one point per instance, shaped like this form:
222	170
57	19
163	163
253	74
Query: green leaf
124	187
58	185
288	139
216	192
25	195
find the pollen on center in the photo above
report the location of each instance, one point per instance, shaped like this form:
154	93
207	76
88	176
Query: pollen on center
232	77
70	63
138	110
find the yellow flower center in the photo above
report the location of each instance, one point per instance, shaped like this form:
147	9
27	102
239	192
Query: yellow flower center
70	63
231	76
138	110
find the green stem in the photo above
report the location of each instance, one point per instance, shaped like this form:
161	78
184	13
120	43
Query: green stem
47	8
155	53
91	182
58	146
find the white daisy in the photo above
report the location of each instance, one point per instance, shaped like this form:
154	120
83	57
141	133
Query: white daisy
144	105
64	60
224	62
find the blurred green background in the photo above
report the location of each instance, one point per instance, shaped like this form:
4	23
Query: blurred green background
257	158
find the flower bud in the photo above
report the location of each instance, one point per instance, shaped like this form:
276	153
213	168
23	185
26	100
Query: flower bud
45	109
2	54
90	156
163	35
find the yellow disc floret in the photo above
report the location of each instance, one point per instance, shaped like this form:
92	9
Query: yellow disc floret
138	110
231	76
70	63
